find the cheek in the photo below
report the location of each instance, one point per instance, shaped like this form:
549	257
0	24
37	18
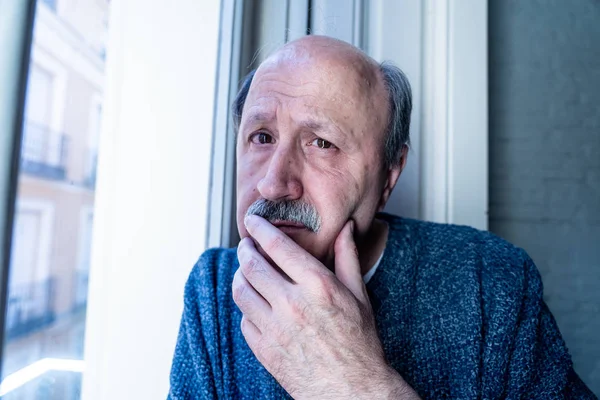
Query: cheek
344	192
246	193
334	192
249	167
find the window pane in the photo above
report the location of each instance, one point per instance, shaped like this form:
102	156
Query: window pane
39	95
52	231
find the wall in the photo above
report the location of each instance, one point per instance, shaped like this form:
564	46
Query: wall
544	65
151	199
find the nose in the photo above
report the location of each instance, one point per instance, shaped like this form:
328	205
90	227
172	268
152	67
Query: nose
281	181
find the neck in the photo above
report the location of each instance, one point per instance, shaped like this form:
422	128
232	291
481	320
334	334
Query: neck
372	244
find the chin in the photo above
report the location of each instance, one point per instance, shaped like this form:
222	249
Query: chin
304	238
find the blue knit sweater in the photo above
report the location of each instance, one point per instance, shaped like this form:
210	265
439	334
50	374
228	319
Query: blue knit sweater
459	312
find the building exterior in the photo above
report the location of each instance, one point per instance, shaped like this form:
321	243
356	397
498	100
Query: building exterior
54	211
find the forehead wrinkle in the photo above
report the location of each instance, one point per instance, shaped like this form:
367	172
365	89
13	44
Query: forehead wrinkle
305	111
258	117
265	81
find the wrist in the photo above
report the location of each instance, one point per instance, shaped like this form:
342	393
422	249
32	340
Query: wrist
396	386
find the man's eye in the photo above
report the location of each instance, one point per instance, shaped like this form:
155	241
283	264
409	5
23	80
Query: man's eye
322	143
262	138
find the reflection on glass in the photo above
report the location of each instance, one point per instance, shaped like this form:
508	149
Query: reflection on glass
52	231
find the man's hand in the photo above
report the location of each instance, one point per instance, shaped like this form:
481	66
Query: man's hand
312	330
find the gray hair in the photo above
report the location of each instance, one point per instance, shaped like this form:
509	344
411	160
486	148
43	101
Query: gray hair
400	103
400	107
287	210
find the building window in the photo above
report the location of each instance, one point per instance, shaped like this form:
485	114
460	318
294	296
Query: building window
30	283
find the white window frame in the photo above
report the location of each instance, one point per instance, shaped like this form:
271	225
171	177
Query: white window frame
220	217
455	113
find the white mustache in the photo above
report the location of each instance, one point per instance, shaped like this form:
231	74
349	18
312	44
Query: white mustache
292	210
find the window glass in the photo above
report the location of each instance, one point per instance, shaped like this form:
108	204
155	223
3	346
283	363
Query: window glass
53	222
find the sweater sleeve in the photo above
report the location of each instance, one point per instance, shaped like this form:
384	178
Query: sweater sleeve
540	366
192	375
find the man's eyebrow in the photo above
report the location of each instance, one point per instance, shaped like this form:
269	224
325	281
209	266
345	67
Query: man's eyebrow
315	125
259	117
320	126
312	125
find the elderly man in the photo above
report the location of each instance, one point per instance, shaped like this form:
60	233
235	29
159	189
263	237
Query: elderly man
328	297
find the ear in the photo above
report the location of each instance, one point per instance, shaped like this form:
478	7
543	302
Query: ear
392	175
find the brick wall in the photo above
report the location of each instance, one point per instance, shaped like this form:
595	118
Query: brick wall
544	64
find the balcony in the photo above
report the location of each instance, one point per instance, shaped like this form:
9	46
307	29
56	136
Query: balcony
29	308
44	152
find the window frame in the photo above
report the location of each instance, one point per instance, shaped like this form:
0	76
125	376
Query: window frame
220	231
16	33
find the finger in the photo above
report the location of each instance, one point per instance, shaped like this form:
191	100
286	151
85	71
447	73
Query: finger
263	277
250	303
253	336
251	333
347	266
293	260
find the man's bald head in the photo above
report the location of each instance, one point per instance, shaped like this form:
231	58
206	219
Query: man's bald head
384	84
325	50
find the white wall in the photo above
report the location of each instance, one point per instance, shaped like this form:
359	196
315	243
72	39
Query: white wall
152	191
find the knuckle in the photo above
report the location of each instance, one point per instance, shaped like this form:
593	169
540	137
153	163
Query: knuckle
239	290
252	267
324	289
244	326
322	283
296	308
276	243
297	258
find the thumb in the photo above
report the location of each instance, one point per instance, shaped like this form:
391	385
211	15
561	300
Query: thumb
347	266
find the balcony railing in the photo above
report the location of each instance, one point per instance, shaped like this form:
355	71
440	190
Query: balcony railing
30	307
44	152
